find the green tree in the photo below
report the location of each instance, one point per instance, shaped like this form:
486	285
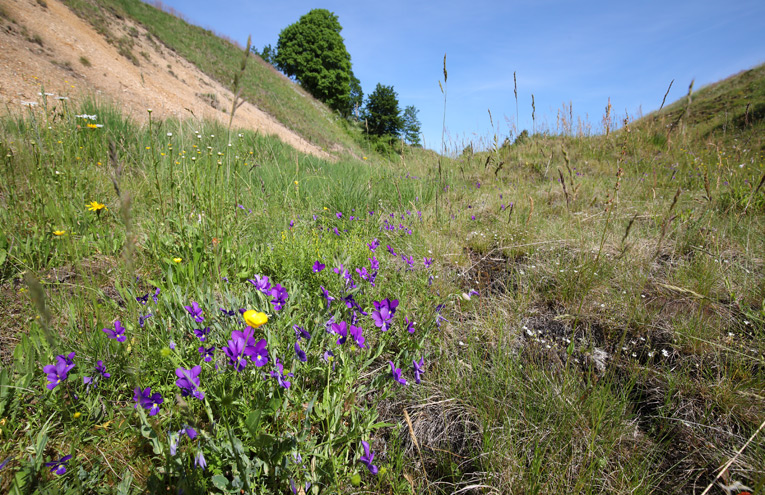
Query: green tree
356	99
412	125
313	52
268	53
383	117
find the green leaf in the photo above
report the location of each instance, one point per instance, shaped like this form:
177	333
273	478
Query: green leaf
220	482
127	479
253	422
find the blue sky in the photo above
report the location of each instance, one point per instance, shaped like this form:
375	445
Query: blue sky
578	52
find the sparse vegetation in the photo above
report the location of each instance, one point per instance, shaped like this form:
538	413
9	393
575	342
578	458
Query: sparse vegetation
85	62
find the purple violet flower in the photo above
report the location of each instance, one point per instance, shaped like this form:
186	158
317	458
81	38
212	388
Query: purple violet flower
142	319
143	299
318	267
201	333
155	297
355	333
409	325
374	244
300	353
207	353
367	458
364	274
147	400
396	373
58	372
59	467
391	251
418	369
278	373
100	369
235	353
280	296
409	261
427	261
383	313
5	462
340	329
188	382
301	333
258	353
195	311
261	283
327	296
118	332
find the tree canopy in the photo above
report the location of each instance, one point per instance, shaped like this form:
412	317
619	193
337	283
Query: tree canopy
411	126
382	113
313	52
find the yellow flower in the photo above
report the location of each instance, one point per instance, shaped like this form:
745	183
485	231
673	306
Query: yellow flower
296	183
255	318
92	126
77	415
59	232
96	206
365	158
177	260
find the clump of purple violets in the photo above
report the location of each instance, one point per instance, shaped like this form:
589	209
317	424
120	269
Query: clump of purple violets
242	345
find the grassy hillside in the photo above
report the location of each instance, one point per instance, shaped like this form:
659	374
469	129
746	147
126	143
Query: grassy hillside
722	111
575	315
261	84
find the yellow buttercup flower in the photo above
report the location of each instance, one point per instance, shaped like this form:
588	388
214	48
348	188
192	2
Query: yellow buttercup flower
77	415
59	232
255	318
95	206
177	260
